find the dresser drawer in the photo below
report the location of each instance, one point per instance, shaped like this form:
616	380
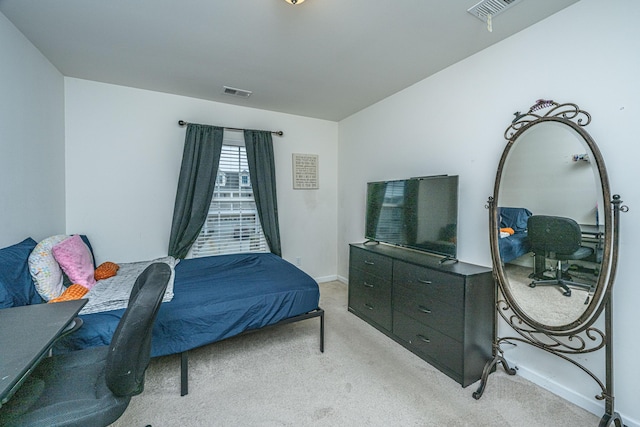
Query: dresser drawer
428	342
375	310
430	283
371	263
371	287
370	296
430	312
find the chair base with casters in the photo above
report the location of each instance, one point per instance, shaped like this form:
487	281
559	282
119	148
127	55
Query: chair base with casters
563	281
93	387
80	378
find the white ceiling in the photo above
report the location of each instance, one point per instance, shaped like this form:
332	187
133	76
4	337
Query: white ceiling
324	58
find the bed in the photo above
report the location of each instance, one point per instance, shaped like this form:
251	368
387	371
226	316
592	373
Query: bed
514	245
213	298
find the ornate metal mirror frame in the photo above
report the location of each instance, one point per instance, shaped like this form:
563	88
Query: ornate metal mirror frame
578	335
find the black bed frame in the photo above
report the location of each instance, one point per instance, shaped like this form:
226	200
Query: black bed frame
184	357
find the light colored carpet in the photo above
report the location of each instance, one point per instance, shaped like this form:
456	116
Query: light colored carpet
278	377
547	304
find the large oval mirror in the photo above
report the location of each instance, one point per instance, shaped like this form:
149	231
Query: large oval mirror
553	219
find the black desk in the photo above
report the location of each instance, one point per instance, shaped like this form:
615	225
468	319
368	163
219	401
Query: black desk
593	236
26	334
593	231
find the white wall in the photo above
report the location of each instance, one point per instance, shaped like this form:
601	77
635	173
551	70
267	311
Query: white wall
31	140
454	123
541	175
123	153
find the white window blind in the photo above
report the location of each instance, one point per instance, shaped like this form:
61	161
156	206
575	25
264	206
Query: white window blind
232	225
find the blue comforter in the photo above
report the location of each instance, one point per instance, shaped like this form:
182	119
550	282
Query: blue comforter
214	298
517	244
514	246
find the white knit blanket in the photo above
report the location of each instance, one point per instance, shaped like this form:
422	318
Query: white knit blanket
113	293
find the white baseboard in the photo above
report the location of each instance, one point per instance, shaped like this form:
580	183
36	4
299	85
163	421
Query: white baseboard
333	278
586	402
326	279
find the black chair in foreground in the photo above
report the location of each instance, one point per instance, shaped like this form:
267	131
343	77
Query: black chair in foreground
560	238
93	387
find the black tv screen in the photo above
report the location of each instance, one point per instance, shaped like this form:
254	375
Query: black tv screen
417	213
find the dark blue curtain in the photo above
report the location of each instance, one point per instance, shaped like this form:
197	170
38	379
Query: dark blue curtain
202	148
260	157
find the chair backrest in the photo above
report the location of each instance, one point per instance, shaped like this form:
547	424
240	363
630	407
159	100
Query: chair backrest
130	348
553	234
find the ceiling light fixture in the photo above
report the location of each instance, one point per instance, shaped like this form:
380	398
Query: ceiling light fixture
294	2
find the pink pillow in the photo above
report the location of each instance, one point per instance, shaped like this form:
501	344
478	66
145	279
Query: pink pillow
76	261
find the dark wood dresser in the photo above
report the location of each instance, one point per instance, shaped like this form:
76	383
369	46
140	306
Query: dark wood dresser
442	313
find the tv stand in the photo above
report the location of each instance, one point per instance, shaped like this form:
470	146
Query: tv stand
441	312
371	242
448	260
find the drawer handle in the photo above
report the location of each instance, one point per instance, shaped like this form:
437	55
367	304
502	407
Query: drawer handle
424	309
367	285
423	339
369	306
425	282
370	263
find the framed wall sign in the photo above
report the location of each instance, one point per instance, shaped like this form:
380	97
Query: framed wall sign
305	171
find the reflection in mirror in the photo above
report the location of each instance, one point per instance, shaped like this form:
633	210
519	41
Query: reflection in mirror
549	172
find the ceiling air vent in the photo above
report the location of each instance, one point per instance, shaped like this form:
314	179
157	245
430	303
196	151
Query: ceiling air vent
490	7
240	93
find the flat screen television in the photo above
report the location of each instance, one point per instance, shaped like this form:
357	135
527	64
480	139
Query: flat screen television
417	213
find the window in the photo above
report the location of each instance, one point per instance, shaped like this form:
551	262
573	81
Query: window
245	181
232	225
221	179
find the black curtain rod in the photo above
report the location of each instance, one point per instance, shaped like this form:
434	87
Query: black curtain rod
275	132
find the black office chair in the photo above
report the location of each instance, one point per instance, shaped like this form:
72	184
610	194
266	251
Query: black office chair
560	238
93	387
